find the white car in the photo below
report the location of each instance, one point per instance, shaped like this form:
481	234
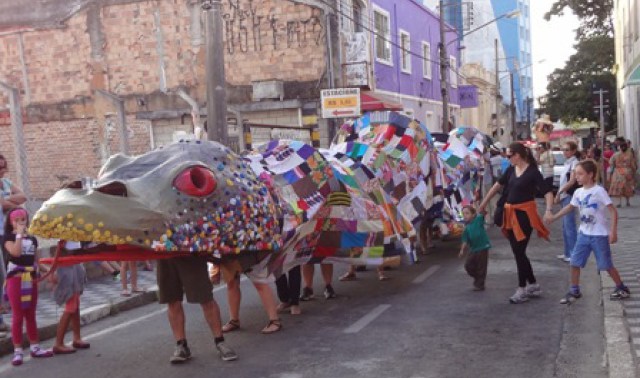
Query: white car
558	168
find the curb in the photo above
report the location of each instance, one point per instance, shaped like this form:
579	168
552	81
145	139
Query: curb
618	351
89	315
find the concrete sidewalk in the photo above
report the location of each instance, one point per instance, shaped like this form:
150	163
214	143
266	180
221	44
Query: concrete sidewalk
101	298
622	319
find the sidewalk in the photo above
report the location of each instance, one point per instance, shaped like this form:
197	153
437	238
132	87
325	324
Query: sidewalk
622	319
101	298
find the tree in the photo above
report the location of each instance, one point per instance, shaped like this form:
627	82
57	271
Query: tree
595	16
570	89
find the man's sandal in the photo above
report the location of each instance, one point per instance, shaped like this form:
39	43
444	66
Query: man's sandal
272	327
232	325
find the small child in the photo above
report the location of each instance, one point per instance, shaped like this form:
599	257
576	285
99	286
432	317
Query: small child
69	282
22	284
594	234
475	237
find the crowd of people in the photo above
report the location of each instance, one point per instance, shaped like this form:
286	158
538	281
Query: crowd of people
588	182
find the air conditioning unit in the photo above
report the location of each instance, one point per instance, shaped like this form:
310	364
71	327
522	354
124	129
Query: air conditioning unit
268	90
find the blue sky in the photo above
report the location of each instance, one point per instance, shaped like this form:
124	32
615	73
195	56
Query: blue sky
550	40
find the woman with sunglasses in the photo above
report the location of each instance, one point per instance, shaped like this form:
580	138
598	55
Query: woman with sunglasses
568	185
522	181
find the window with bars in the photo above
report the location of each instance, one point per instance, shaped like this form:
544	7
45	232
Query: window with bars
405	51
426	60
382	28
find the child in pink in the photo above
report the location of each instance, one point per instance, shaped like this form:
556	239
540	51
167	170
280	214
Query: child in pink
21	284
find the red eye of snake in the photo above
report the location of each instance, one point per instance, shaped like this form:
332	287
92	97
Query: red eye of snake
195	181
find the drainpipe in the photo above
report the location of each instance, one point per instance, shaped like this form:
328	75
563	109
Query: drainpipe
119	104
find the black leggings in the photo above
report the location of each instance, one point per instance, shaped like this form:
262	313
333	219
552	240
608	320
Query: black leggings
289	289
519	248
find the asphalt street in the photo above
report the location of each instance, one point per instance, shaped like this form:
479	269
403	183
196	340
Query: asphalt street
424	322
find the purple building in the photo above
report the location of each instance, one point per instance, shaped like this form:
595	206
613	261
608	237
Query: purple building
405	59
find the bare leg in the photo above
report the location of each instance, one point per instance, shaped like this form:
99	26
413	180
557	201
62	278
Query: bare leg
211	312
63	325
75	327
575	276
134	275
123	275
615	276
268	300
307	275
175	313
234	296
327	273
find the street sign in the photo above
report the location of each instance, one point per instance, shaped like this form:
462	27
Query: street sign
340	102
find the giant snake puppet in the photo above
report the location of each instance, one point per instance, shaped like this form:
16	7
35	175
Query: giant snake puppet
284	204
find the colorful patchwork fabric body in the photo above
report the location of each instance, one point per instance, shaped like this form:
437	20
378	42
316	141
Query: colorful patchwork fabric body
349	203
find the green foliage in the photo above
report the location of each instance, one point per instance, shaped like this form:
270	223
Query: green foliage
570	89
595	16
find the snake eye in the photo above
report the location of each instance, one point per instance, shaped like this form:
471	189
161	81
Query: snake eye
195	181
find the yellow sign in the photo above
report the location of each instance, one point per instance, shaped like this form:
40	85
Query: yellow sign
340	102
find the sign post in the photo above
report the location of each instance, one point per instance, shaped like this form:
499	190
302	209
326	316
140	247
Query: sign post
340	102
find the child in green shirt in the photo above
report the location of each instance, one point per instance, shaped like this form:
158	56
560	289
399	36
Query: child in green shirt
475	237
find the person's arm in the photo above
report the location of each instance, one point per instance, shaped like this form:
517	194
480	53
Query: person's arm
16	196
492	192
462	248
550	217
613	233
568	185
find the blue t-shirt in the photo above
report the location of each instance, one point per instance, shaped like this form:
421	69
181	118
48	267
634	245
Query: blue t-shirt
475	235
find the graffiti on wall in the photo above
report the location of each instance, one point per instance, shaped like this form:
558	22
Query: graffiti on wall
249	27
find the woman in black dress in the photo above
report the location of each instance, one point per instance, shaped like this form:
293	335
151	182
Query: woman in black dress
522	181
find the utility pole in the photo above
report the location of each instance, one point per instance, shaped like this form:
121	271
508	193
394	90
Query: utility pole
514	134
444	65
216	84
495	43
529	105
601	106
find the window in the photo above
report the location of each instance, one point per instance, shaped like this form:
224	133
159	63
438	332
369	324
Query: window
405	52
426	60
358	16
382	30
453	72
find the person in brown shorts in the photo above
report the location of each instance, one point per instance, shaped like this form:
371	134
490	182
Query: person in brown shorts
231	270
188	276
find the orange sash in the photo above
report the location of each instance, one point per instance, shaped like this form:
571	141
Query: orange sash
511	221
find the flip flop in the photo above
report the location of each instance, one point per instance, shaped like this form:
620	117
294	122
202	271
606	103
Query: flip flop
277	326
232	325
81	345
63	350
125	293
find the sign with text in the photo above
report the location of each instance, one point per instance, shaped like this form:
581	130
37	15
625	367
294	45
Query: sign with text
468	95
340	102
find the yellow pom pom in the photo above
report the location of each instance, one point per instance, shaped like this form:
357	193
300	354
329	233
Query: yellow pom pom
88	227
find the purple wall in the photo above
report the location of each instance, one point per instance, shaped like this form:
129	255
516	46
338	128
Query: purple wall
422	25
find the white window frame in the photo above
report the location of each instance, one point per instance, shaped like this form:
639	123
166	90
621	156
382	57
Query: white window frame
405	51
386	36
453	75
426	61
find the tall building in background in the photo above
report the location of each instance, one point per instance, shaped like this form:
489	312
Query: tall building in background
513	37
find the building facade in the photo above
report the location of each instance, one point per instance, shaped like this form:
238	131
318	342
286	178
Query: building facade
627	40
67	57
406	60
508	40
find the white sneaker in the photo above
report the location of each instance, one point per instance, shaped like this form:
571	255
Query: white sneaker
561	257
566	259
533	290
520	296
